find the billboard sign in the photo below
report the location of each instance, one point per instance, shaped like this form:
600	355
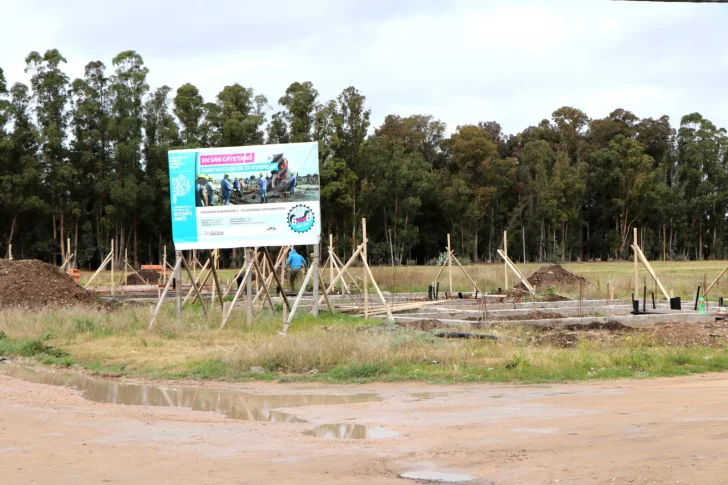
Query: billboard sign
263	195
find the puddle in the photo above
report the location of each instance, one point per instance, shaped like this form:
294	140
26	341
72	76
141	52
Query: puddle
351	432
438	477
233	404
423	396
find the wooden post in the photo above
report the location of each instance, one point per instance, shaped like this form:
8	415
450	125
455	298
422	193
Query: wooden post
126	259
357	253
510	264
505	264
246	280
194	285
390	318
248	287
715	281
636	269
331	258
298	298
161	298
638	252
449	261
366	263
113	256
178	280
316	258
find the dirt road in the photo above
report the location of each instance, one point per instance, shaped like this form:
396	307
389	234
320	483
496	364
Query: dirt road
646	431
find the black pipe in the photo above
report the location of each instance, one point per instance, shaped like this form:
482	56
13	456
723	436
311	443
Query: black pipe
429	293
482	336
697	295
653	301
720	301
635	307
644	300
437	290
460	294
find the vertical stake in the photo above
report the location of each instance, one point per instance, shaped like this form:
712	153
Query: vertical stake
113	257
505	251
249	287
366	262
316	258
178	283
331	259
636	269
449	260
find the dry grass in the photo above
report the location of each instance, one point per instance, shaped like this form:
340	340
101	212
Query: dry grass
681	277
336	348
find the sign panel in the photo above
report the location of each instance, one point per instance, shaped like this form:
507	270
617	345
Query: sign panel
263	195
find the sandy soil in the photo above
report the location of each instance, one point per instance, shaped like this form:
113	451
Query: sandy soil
652	431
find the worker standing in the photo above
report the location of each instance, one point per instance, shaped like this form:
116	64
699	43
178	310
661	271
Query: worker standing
263	184
225	190
295	264
210	192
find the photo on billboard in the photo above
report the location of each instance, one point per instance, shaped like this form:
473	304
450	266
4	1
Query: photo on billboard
263	195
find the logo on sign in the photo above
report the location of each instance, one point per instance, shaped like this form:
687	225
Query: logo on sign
301	218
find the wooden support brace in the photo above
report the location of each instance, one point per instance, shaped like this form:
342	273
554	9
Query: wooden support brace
164	295
194	285
515	270
246	279
103	265
643	259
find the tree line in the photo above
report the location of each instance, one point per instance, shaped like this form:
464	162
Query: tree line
86	160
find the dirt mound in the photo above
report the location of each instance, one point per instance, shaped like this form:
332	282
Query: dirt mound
517	293
532	315
554	297
145	277
552	275
33	284
611	325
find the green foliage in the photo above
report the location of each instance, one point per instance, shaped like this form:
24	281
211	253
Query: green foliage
86	159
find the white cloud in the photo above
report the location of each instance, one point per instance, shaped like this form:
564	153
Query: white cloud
462	61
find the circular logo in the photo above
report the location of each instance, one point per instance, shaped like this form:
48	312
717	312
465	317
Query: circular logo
301	218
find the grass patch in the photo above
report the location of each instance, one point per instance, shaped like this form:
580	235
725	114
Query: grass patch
329	349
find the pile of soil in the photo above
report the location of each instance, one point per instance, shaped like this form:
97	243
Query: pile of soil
553	275
532	315
518	293
34	284
611	325
148	277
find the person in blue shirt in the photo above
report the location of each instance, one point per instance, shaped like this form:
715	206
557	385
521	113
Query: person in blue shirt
225	190
263	184
236	186
295	264
199	194
210	192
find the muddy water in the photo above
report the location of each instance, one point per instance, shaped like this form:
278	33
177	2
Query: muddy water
351	432
236	405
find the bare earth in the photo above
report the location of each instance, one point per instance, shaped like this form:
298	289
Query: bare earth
651	431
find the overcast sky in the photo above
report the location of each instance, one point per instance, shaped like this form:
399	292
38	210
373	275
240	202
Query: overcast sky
462	61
